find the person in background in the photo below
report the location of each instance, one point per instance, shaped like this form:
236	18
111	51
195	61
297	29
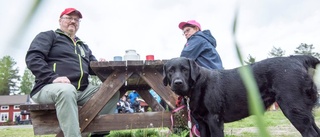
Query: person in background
159	100
155	95
124	105
136	105
18	120
200	47
132	96
60	61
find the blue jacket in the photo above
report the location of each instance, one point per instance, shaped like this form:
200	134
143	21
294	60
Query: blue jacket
201	47
132	96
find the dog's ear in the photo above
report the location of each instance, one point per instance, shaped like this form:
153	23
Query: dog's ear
165	78
194	69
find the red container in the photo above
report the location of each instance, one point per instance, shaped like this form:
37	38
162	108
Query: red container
150	57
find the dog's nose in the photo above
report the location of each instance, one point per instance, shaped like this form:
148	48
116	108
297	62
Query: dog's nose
178	82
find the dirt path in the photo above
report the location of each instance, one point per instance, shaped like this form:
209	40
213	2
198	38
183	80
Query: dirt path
279	131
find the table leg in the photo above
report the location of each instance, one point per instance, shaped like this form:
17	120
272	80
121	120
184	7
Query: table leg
95	104
148	98
154	79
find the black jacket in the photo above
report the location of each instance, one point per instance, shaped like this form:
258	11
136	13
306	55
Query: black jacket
53	54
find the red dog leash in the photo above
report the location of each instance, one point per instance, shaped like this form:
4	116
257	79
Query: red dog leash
179	108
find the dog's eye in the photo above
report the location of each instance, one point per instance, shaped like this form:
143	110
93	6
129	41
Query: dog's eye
170	71
185	70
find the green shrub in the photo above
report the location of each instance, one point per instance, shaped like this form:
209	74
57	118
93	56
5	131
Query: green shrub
135	133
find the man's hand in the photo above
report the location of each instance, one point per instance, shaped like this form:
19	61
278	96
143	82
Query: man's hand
61	80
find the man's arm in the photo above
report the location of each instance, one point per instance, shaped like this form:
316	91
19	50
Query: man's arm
37	55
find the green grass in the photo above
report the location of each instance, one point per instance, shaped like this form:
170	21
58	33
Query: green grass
274	120
16	132
19	132
278	125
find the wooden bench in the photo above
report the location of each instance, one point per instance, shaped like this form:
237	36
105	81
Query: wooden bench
44	120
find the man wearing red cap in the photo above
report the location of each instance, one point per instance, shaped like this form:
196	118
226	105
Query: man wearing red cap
60	62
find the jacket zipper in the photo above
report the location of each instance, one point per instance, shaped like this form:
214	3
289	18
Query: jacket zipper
54	67
79	58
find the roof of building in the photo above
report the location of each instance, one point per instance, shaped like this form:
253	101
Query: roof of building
13	99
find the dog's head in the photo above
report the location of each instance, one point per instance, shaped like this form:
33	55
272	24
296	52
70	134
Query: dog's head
180	73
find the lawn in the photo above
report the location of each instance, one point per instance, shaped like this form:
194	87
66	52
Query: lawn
278	126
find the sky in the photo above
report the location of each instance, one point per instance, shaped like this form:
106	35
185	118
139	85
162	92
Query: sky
110	27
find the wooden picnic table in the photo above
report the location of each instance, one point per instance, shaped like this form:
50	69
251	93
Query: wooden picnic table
121	76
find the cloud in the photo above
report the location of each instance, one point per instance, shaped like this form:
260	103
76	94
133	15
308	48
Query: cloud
150	26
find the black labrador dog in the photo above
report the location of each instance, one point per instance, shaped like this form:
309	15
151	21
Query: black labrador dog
219	96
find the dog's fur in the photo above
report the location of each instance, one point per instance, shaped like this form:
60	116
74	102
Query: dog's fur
219	96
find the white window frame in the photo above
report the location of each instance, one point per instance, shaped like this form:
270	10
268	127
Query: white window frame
2	114
16	107
16	114
5	107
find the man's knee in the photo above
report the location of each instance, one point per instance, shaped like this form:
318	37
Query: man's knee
65	90
53	92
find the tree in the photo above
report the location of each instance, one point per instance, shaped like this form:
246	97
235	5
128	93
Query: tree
250	60
8	76
27	82
306	49
94	80
276	52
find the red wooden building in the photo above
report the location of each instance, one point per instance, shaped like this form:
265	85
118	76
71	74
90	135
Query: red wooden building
9	108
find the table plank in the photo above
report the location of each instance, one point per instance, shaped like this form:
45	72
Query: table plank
46	122
130	121
104	68
37	107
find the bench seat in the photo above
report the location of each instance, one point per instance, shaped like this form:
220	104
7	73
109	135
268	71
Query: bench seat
44	120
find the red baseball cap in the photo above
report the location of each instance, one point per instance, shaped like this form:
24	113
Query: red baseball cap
191	22
70	10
